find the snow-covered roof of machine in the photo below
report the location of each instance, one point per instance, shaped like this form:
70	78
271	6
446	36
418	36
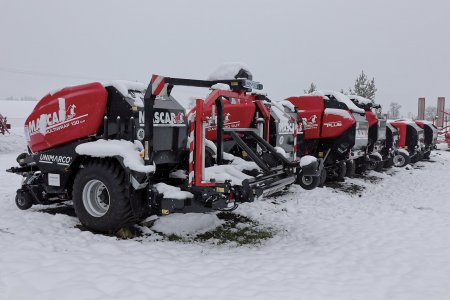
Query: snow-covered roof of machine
339	112
227	71
341	98
406	121
284	104
360	99
425	122
124	86
279	110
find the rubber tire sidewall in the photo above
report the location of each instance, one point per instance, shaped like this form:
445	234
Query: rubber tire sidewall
361	168
119	214
315	181
28	202
379	167
407	160
389	163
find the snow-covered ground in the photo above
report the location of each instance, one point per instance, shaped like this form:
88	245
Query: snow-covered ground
383	237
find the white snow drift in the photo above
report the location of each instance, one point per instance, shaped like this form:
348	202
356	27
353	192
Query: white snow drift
186	224
172	192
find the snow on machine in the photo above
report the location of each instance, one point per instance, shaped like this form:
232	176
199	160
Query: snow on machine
430	136
390	148
335	131
411	144
284	122
124	151
379	156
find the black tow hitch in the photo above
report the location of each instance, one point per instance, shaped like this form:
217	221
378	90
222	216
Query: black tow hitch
205	199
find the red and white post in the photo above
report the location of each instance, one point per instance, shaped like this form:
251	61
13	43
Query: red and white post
191	146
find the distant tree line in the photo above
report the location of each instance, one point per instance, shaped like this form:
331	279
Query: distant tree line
363	87
23	98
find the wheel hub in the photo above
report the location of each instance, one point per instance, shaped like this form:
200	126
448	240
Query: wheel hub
21	201
96	198
307	180
399	160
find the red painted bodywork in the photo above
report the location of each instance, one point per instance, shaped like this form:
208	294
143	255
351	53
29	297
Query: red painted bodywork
312	110
240	113
402	130
69	114
331	132
420	124
371	118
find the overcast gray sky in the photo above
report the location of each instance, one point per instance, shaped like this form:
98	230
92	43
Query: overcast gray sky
287	44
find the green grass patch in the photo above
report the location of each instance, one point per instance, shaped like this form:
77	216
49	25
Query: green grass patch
237	229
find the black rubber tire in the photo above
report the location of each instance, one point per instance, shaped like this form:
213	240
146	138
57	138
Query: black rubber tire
322	177
361	168
119	213
351	168
406	161
24	200
420	156
372	164
308	182
379	167
389	163
342	171
20	158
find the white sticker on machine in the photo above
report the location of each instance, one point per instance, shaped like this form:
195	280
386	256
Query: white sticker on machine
54	179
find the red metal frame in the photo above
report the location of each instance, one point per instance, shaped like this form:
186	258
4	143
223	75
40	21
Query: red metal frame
200	118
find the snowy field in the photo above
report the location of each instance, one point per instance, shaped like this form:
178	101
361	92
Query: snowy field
386	236
16	111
